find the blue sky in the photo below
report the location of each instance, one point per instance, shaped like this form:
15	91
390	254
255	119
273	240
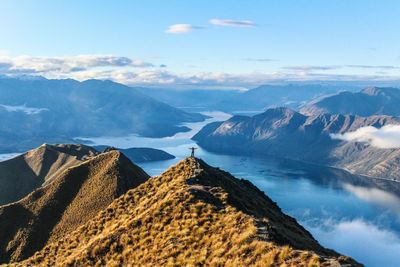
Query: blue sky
284	40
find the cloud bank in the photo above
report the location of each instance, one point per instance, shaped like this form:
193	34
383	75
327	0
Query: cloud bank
38	65
386	137
137	72
335	67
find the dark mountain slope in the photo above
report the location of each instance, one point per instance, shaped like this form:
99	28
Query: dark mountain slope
21	175
67	201
192	214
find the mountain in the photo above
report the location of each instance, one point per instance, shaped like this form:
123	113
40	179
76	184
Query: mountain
242	102
192	214
191	99
285	133
370	101
267	96
72	197
39	111
140	154
21	175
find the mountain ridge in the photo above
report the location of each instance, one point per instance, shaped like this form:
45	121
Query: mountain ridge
288	134
24	173
64	203
369	101
191	214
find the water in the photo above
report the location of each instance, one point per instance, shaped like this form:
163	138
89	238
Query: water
356	216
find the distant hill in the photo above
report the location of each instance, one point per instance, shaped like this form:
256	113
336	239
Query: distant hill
192	214
191	99
267	96
369	101
71	198
37	111
140	154
250	101
21	175
285	133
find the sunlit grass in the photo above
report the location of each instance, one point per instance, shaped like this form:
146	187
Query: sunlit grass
164	223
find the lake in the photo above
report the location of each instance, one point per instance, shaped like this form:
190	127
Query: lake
353	215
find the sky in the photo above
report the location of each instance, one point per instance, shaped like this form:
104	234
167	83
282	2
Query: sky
203	43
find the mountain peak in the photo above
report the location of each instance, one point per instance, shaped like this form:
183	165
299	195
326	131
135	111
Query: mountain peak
373	91
381	91
280	111
69	200
368	102
24	173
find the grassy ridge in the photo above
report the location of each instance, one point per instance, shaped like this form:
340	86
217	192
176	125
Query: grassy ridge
191	215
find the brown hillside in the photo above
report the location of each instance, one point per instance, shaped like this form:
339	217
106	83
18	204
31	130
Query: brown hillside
67	201
21	175
191	215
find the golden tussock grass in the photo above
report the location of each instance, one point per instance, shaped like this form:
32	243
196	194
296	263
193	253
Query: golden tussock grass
191	215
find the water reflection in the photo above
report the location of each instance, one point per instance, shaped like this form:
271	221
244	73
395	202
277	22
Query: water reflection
366	242
376	196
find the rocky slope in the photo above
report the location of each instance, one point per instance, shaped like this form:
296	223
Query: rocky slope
190	215
369	101
73	196
285	133
21	175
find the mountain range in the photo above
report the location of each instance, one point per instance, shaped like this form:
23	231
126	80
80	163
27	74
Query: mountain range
244	101
285	133
107	211
369	101
36	111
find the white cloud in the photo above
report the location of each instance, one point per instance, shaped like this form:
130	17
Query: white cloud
181	28
232	23
33	65
363	241
386	137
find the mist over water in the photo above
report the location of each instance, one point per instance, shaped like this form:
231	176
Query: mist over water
353	215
